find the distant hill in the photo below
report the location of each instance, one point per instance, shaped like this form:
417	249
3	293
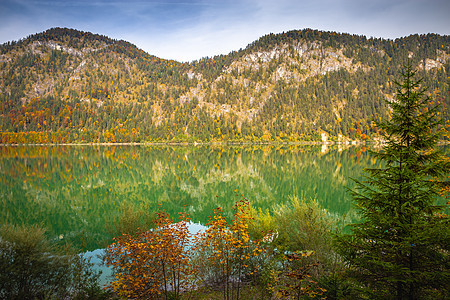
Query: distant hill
64	85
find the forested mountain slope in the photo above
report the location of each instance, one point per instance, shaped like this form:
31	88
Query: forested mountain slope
65	85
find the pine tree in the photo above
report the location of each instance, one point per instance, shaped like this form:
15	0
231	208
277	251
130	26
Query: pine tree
399	250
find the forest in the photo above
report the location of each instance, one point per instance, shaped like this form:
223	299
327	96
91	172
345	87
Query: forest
69	86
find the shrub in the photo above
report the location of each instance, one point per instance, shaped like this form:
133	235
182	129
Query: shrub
32	267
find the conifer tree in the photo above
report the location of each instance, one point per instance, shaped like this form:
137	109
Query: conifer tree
399	250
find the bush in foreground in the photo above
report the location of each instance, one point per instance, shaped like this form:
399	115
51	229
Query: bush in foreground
230	260
32	267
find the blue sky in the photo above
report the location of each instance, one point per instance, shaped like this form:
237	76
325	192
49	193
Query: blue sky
185	30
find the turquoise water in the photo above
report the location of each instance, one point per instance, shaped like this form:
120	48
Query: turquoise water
78	192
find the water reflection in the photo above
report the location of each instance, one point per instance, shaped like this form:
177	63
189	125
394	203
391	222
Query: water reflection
78	191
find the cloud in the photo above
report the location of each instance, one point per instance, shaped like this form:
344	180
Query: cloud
187	30
213	29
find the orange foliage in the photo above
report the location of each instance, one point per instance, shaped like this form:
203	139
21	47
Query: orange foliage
296	280
228	248
158	261
152	262
33	137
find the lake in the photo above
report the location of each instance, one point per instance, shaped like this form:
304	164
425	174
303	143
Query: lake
77	192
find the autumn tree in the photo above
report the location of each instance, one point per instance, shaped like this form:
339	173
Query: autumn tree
399	250
153	262
227	252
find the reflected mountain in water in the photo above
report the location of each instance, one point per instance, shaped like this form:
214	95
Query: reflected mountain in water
78	191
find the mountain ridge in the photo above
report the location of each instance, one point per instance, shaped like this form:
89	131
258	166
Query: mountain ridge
65	85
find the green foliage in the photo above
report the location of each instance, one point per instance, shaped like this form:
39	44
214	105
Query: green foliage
33	268
299	258
400	248
298	226
304	226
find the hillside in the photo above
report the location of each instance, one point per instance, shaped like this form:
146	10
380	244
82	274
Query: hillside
64	85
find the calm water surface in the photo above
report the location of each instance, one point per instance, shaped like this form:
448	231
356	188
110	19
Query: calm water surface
77	192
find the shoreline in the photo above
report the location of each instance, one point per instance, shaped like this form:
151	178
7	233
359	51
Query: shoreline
353	143
346	143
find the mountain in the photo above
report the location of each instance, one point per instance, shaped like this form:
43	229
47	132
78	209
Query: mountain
64	85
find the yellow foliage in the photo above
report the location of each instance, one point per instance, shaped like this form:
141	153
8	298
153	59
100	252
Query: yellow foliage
150	262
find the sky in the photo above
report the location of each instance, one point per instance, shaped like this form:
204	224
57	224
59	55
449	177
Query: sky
186	30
